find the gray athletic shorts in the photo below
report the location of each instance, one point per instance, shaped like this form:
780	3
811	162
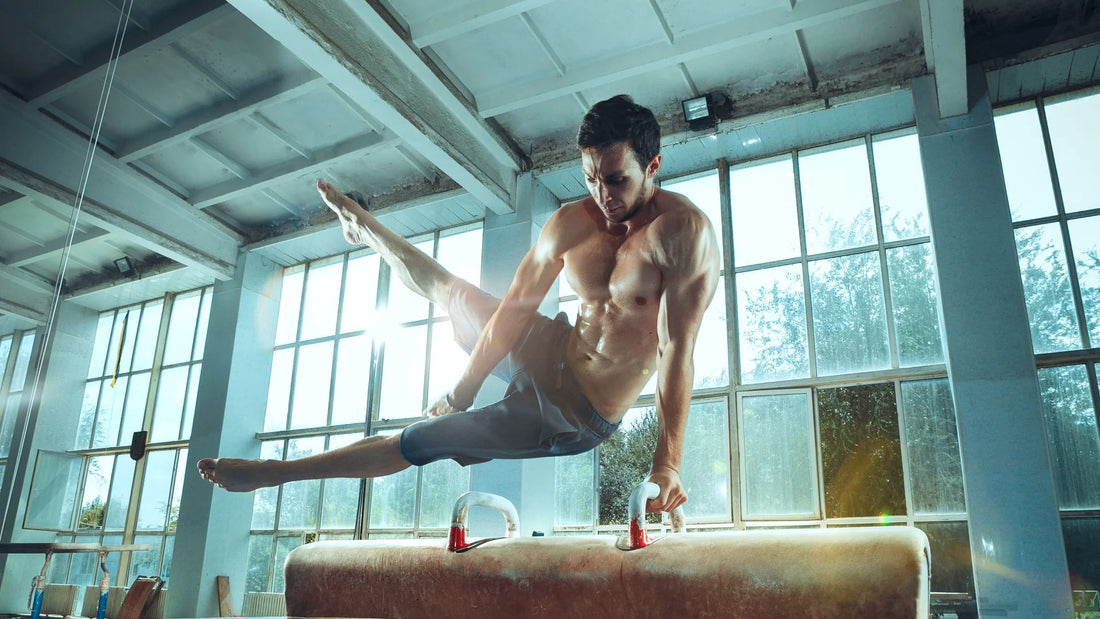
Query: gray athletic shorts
543	412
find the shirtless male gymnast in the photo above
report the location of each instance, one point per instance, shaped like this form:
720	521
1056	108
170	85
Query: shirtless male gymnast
644	263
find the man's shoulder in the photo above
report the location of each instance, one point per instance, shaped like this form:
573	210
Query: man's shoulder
677	210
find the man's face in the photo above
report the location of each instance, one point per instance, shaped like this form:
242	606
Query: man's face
616	180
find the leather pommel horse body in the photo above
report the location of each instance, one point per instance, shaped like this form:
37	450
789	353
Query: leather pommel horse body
879	572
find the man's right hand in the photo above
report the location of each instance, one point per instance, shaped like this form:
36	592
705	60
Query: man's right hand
444	406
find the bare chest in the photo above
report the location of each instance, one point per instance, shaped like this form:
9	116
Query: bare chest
614	271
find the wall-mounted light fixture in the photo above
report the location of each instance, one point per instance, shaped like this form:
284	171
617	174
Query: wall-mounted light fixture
124	266
699	113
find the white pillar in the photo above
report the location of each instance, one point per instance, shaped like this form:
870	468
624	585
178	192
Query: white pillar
1015	533
528	484
212	533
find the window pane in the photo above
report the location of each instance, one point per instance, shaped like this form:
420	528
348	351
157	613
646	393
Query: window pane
1071	431
204	322
146	562
341	496
322	298
625	459
442	483
94	498
111	403
404	305
849	314
265	499
171	396
147	335
283	546
22	361
259	562
360	292
861	451
278	390
705	472
712	346
298	508
121	486
87	414
448	361
771	323
1024	161
836	199
932	442
765	221
156	490
393	500
900	180
189	404
1082	538
777	455
290	299
914	301
951	564
181	328
312	379
121	358
136	399
403	373
573	489
7	423
1047	289
102	343
183	469
1075	136
351	390
703	193
166	560
461	255
1084	235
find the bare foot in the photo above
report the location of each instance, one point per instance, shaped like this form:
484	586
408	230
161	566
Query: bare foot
347	211
236	475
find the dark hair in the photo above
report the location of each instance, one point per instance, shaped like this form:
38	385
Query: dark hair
620	119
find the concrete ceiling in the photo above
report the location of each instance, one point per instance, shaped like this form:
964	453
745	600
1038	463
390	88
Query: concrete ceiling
219	116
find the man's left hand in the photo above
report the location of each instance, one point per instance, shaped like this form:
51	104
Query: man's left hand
672	493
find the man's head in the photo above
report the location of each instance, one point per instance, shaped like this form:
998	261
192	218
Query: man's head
620	155
619	119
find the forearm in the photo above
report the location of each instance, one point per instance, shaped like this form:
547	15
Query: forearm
675	377
497	339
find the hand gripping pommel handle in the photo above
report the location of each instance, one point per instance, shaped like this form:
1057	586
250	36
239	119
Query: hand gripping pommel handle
639	537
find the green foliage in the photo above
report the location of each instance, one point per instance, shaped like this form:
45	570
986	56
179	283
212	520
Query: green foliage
92	516
625	459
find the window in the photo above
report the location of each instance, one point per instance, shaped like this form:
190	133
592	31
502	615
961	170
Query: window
143	375
1050	154
820	396
16	351
356	354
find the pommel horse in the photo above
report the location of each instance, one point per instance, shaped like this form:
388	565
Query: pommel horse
880	572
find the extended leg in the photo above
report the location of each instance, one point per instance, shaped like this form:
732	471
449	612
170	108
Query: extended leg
374	456
420	272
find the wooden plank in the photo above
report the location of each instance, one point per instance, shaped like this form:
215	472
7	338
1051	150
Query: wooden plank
225	602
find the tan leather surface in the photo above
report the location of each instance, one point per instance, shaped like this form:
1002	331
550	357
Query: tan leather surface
879	572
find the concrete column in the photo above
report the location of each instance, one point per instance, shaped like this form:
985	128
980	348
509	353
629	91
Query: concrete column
1015	533
213	528
528	484
51	426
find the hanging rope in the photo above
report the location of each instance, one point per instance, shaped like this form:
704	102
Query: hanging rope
78	203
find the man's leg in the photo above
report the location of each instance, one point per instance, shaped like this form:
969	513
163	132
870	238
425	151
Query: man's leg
418	271
374	456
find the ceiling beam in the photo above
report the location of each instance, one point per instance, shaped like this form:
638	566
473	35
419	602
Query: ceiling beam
14	308
53	248
354	148
26	279
357	49
189	18
219	114
467	17
133	226
699	44
945	53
